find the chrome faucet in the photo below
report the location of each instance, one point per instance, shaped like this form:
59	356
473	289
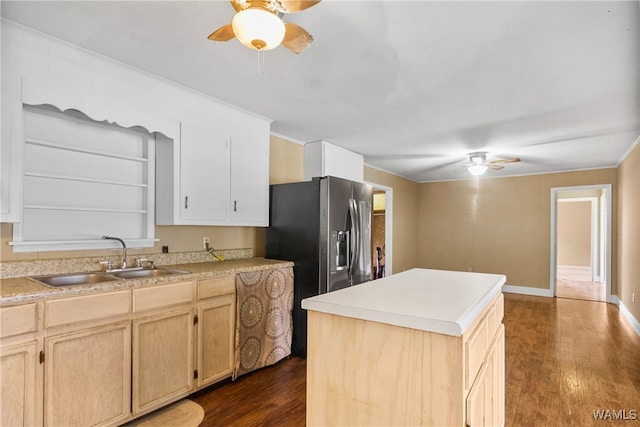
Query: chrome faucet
124	249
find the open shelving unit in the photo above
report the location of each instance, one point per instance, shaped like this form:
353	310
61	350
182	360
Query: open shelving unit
83	179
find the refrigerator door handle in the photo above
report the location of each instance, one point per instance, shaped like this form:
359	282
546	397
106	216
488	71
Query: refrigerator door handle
355	237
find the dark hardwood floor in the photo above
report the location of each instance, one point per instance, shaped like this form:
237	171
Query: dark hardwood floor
565	359
272	396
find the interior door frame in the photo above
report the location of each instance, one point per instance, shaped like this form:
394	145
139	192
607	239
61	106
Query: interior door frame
595	246
606	218
388	226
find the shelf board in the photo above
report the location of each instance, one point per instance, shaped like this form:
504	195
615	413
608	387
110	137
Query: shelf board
56	145
79	209
91	180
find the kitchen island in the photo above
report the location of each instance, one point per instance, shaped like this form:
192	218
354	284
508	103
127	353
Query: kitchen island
422	347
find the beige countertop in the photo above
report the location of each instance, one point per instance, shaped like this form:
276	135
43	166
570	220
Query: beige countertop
20	290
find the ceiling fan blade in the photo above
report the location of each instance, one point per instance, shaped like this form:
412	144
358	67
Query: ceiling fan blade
296	38
236	6
222	34
512	160
291	6
494	167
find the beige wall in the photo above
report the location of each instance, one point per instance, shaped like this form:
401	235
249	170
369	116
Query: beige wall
628	261
496	225
574	234
405	217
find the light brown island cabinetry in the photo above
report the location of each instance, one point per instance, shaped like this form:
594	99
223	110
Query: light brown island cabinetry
106	358
423	347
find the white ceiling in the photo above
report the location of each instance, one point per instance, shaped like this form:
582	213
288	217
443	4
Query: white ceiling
414	86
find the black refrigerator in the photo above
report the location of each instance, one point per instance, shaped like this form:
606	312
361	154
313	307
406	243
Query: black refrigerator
324	227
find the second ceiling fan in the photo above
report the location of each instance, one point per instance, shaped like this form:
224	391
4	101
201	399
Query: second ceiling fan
478	163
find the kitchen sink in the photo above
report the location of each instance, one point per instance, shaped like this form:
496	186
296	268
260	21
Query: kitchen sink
144	272
71	279
74	279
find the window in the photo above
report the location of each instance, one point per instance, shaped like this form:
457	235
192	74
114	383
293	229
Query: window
84	179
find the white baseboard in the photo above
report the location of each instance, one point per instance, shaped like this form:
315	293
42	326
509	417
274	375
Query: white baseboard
574	267
524	290
635	324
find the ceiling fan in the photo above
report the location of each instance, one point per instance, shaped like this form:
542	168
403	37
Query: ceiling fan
257	25
478	163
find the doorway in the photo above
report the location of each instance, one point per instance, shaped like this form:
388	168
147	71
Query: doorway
581	242
381	231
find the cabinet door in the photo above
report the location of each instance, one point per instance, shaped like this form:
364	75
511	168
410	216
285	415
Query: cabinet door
204	173
11	148
498	379
479	400
485	402
343	163
87	376
18	369
216	333
162	359
250	175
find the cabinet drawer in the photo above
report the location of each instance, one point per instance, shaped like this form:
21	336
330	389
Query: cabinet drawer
217	286
86	308
162	296
18	320
475	349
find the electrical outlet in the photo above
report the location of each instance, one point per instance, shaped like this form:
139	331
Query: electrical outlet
205	243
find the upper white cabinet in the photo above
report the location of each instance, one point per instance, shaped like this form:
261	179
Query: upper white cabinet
213	161
10	153
192	176
324	159
249	198
217	173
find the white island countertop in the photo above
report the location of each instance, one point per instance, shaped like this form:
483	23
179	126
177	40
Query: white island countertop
439	301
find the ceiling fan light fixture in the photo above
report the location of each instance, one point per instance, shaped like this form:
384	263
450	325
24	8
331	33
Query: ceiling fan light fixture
478	164
477	169
258	28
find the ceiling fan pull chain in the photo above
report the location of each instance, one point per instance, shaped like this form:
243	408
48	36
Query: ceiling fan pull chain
261	62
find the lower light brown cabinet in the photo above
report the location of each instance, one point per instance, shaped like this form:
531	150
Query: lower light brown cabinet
162	345
18	368
162	359
216	329
87	359
104	359
87	376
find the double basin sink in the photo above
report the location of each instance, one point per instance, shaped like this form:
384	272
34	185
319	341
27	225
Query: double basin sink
71	279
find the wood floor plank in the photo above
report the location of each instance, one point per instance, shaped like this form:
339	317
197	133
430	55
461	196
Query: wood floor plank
565	359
